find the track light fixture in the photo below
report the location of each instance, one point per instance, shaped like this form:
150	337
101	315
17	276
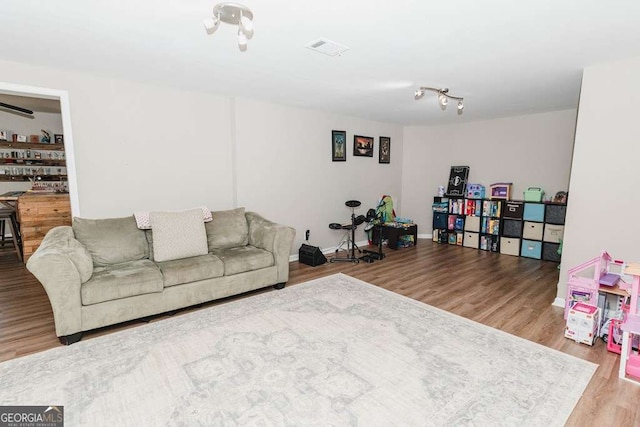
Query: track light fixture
443	97
234	14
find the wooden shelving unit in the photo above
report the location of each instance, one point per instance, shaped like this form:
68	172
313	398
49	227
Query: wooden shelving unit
28	159
30	146
32	162
21	178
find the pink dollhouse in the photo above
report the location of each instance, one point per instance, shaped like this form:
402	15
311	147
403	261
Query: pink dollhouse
630	359
584	281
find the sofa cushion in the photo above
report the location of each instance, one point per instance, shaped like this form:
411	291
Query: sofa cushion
192	269
111	240
244	258
228	229
178	235
60	240
121	281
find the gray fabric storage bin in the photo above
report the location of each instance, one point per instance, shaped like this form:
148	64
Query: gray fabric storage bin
555	214
550	252
511	228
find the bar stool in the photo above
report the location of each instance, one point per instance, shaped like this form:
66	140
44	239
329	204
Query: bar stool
7	219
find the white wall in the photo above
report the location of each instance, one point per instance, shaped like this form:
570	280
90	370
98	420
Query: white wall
144	147
603	195
141	147
285	169
530	151
23	125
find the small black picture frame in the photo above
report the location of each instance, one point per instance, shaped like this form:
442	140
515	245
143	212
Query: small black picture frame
58	139
362	146
339	146
384	150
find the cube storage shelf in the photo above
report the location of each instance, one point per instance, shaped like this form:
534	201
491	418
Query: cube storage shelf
512	227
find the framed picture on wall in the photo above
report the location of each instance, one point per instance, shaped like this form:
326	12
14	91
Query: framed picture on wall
338	146
362	146
58	139
384	150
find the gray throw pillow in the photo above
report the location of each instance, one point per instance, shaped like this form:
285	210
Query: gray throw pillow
228	229
178	235
111	240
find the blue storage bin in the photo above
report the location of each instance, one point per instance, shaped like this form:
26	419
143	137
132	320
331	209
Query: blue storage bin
440	220
533	212
531	249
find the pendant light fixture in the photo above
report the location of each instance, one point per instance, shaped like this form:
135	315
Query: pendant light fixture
234	14
443	97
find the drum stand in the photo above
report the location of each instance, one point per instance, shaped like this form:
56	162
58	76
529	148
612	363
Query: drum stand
375	223
371	255
349	237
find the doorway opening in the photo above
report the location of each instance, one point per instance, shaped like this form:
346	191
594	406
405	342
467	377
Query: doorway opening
51	110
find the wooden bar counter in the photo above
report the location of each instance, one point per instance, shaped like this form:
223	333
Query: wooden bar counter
38	213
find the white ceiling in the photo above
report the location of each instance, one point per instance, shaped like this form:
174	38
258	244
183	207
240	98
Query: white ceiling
504	57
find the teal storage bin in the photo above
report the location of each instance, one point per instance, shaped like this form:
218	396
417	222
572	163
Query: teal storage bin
533	212
531	249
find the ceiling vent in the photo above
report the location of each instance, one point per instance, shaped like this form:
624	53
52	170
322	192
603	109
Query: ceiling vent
327	47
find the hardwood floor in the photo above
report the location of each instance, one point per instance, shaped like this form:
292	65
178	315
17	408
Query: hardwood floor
508	293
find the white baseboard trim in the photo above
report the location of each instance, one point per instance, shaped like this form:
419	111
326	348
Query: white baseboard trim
331	250
328	251
558	302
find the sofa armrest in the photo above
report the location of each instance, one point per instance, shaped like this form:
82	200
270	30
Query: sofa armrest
275	238
62	265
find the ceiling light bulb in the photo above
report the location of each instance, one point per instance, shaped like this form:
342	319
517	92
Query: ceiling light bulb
247	24
211	24
242	39
460	107
443	101
418	94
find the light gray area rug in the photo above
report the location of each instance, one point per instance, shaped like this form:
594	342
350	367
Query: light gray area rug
331	352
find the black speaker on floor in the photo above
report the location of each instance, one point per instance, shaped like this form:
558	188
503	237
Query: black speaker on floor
311	255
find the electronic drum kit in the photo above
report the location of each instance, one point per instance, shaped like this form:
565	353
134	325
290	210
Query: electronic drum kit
348	239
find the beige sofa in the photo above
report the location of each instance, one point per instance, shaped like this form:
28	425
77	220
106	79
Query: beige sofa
106	271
